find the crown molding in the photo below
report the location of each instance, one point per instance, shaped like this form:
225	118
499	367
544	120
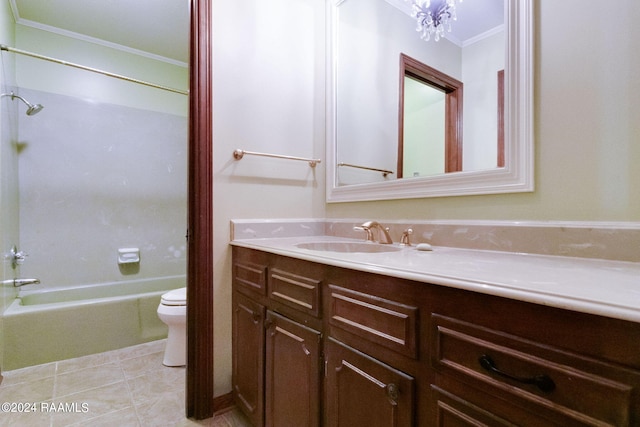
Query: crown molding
82	37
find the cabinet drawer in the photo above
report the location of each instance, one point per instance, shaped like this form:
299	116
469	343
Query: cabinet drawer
251	277
388	323
451	410
535	376
295	291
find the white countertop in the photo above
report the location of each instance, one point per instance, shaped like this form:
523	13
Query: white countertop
602	287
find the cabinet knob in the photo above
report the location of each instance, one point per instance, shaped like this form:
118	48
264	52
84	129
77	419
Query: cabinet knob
255	316
393	392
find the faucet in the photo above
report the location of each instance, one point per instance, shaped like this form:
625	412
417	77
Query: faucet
21	282
383	233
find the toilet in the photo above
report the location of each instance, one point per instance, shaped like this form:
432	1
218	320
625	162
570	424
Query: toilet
173	312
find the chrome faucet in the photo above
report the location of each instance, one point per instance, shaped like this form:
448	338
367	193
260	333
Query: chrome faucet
21	282
383	233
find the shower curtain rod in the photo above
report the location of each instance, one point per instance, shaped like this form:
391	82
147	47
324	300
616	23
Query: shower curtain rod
94	70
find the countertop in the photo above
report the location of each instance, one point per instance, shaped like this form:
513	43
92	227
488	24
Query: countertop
602	287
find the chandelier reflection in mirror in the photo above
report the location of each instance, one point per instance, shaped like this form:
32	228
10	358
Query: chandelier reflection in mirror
434	17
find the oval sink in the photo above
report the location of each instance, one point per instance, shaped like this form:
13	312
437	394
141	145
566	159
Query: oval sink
351	247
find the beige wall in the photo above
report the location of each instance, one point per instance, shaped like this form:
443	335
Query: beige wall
268	97
587	104
8	169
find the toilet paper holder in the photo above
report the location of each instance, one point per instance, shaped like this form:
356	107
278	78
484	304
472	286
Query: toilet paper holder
128	255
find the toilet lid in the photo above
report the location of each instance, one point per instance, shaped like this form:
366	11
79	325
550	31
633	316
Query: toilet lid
175	297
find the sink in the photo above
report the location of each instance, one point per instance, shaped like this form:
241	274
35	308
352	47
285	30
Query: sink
352	247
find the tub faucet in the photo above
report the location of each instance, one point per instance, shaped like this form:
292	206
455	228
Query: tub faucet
22	282
383	233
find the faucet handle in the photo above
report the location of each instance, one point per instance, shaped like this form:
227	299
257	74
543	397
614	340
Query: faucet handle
20	257
405	240
16	257
367	230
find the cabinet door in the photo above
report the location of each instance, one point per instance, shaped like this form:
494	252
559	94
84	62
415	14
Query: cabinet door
292	364
361	391
248	357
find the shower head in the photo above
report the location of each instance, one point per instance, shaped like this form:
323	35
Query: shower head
34	109
31	108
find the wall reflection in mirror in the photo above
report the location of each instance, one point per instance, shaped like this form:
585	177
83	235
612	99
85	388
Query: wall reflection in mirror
394	120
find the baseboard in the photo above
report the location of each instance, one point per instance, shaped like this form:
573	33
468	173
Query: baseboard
223	403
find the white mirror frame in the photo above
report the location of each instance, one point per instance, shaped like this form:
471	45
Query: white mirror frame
516	176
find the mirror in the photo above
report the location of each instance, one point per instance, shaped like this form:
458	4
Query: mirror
370	155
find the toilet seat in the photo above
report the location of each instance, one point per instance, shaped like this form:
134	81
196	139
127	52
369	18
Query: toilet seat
176	297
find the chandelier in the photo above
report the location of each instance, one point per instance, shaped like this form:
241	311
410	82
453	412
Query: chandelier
433	17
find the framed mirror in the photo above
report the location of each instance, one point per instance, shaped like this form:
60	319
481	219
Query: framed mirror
381	146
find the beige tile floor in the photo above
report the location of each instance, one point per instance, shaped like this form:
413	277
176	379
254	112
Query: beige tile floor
126	387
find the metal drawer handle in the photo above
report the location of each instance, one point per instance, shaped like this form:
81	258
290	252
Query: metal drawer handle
543	382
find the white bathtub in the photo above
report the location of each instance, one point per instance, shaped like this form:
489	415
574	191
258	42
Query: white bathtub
62	323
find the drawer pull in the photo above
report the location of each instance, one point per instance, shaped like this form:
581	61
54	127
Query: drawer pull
543	382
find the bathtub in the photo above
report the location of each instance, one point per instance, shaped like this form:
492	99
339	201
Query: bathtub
62	323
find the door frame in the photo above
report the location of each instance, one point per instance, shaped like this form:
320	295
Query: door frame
199	381
453	90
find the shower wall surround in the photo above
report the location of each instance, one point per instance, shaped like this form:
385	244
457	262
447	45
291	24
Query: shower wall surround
8	186
95	177
8	200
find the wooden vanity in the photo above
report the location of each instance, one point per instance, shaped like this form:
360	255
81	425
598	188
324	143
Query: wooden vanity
324	345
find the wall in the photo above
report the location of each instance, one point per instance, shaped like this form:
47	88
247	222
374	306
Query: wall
481	62
103	166
268	97
8	166
587	100
95	177
424	115
55	78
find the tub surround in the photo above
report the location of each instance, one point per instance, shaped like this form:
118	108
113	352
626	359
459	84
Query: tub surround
545	263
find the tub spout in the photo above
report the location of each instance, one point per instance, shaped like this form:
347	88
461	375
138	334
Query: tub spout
22	282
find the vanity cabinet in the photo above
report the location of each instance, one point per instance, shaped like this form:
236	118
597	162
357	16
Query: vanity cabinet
321	345
277	344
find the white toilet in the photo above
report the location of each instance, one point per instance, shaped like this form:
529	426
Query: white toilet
173	312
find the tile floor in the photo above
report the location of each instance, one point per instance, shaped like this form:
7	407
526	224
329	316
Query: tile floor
126	387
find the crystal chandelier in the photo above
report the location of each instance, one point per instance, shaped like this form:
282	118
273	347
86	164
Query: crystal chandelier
433	17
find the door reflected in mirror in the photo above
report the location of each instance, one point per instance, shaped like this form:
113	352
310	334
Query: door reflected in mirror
422	141
430	121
